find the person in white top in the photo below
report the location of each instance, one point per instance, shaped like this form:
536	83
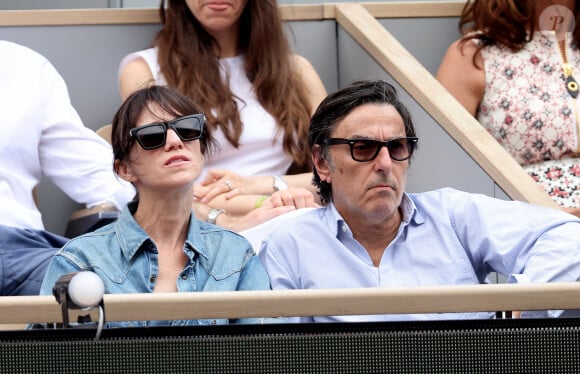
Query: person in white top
233	59
41	135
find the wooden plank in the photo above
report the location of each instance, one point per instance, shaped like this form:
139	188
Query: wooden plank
361	301
289	12
441	105
302	12
67	17
415	9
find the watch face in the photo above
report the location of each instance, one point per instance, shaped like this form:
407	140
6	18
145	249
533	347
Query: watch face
279	184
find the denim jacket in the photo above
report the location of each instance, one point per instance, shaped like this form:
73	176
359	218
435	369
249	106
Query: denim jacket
126	259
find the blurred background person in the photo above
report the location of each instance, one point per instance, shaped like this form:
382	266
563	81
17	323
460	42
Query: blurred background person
516	69
42	136
233	59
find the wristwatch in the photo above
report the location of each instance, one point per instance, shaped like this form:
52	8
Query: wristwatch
279	183
213	215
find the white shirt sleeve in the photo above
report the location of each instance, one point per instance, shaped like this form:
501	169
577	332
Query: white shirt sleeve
72	156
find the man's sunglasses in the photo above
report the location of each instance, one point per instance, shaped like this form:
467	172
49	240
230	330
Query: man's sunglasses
153	136
363	150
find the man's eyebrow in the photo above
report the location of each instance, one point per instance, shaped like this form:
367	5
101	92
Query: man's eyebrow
366	137
358	136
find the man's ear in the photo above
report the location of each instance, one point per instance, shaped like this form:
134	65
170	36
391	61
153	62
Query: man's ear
321	164
124	171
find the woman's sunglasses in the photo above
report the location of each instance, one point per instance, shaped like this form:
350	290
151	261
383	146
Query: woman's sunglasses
153	136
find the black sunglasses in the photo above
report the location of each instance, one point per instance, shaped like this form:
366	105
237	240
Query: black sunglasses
153	136
363	150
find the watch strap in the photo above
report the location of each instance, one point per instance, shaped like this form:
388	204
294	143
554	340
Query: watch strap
213	215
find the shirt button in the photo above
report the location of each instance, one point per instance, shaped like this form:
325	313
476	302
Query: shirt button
152	279
344	229
184	276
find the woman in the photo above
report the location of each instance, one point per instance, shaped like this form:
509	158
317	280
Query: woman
519	61
234	60
157	245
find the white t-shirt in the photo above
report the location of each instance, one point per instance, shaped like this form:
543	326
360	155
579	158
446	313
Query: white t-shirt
41	134
261	151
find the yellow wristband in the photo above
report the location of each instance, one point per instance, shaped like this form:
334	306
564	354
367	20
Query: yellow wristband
260	201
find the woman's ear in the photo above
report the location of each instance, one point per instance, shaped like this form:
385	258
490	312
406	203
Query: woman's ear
124	171
321	164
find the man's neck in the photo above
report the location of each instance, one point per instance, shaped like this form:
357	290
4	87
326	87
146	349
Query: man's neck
376	238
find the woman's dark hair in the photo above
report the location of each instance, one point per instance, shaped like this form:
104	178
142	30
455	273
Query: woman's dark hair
336	106
189	60
510	23
166	99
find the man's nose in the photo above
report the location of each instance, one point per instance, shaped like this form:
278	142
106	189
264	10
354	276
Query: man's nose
383	160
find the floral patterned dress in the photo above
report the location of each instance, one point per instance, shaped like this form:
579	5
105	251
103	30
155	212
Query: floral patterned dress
529	111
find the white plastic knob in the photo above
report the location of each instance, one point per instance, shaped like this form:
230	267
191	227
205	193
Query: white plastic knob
86	289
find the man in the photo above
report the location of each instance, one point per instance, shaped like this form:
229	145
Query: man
371	233
42	136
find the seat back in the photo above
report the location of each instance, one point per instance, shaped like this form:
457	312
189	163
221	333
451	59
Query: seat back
105	132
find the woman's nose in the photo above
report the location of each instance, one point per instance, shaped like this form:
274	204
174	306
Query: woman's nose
172	139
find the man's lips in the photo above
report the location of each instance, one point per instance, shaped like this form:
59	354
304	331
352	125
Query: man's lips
383	186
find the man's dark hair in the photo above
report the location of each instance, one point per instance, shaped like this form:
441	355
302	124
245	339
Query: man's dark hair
336	106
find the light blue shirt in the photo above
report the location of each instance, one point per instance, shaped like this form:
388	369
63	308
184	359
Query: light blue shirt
126	259
446	237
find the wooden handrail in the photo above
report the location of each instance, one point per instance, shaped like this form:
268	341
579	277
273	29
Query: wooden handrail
359	301
299	12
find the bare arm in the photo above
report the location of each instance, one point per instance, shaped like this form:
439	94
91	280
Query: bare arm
242	222
136	74
574	211
460	77
242	204
214	188
312	82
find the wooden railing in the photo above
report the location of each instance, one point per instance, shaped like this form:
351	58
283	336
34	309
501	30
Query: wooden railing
299	12
361	301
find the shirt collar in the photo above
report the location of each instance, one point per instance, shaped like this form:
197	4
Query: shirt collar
337	224
132	237
410	211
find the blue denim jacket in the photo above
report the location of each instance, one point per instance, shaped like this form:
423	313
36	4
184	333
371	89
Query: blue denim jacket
126	259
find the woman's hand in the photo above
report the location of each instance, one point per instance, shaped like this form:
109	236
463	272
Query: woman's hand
293	196
278	203
224	182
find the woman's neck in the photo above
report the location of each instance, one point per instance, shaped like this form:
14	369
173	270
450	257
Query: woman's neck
166	218
227	41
